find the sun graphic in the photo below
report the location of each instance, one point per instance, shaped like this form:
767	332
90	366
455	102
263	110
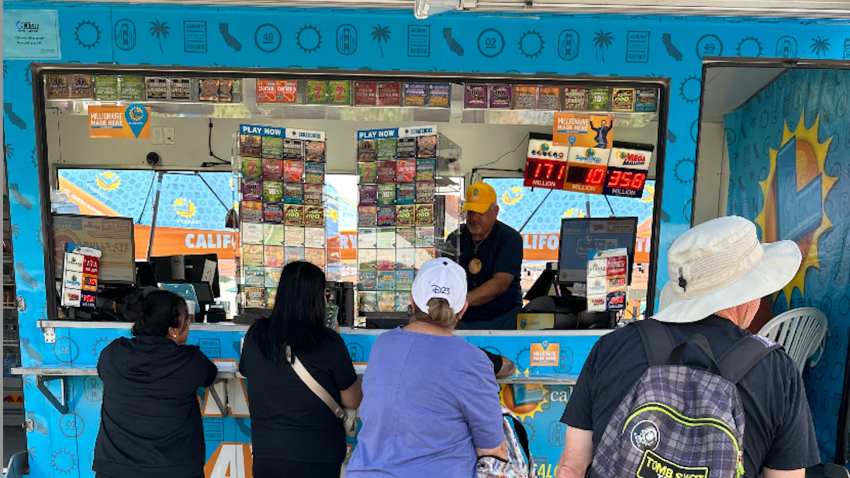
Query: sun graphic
136	113
573	212
531	396
108	181
649	193
512	196
332	214
810	158
184	207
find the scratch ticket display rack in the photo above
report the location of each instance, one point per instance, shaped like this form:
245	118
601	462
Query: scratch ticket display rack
402	219
281	174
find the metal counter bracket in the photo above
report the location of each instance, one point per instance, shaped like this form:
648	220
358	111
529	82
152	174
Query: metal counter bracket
217	399
41	384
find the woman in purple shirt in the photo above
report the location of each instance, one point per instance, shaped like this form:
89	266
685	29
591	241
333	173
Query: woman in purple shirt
431	402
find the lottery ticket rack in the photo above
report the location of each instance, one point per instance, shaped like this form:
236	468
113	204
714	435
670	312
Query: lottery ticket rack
281	177
409	204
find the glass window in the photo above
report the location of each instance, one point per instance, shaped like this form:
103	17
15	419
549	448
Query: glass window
190	213
537	213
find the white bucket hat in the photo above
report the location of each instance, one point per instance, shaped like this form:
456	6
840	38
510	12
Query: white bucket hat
721	264
441	278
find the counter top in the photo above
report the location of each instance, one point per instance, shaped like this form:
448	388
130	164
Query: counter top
230	327
227	370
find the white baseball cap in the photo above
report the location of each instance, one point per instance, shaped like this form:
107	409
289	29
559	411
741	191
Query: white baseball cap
720	264
441	278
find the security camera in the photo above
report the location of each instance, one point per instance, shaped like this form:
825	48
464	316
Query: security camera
153	159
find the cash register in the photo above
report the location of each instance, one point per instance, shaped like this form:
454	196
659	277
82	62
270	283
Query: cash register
552	301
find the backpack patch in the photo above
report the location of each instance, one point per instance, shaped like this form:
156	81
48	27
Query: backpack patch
645	436
654	466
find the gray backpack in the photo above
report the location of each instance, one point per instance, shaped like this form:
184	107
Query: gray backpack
678	421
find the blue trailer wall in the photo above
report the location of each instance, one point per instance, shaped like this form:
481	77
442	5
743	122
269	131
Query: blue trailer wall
790	173
378	40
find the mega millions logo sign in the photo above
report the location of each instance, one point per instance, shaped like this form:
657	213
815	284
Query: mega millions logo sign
795	191
184	207
108	181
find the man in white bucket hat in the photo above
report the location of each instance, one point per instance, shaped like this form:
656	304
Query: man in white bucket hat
718	274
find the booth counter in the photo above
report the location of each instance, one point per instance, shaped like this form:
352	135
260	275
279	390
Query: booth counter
548	364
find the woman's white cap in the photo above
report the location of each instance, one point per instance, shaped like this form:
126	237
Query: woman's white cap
721	264
441	278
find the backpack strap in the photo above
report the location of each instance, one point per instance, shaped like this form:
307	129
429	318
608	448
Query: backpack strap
743	355
657	341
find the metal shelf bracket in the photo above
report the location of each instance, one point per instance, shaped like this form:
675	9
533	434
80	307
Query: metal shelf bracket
41	384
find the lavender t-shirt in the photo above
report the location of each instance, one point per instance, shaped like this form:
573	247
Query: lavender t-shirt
428	402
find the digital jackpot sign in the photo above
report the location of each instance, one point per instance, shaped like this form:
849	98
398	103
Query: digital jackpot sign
541	173
610	172
546	164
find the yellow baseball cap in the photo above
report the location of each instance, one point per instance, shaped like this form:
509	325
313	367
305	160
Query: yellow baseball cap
479	197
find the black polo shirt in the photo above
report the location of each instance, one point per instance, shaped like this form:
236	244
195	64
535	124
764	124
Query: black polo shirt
501	251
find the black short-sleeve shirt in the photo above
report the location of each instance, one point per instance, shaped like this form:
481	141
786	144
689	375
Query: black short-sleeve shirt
501	251
287	419
778	430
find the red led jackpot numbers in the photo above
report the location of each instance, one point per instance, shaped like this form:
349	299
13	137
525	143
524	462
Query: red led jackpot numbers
542	173
624	182
91	265
585	179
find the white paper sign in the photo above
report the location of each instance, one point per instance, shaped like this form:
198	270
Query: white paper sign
31	35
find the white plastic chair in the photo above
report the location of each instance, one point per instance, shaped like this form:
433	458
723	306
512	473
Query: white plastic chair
800	331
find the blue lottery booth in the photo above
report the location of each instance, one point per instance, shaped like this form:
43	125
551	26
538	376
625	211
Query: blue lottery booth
49	149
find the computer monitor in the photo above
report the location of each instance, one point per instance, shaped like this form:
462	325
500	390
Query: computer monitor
144	274
195	265
112	235
186	269
581	236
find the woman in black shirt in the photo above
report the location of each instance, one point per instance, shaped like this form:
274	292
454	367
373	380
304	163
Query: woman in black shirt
150	418
294	433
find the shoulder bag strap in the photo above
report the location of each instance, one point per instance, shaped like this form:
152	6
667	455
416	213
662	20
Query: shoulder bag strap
522	438
313	385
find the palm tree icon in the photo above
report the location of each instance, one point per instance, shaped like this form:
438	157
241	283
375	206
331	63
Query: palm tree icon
160	31
602	41
820	45
381	34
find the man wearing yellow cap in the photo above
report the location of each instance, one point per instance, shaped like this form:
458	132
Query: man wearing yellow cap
491	255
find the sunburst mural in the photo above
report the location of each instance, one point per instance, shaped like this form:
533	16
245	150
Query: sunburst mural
512	196
795	190
524	400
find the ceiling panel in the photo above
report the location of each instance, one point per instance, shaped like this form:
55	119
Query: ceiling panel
825	9
728	88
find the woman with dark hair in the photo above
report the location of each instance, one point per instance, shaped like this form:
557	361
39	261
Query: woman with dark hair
295	434
150	418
